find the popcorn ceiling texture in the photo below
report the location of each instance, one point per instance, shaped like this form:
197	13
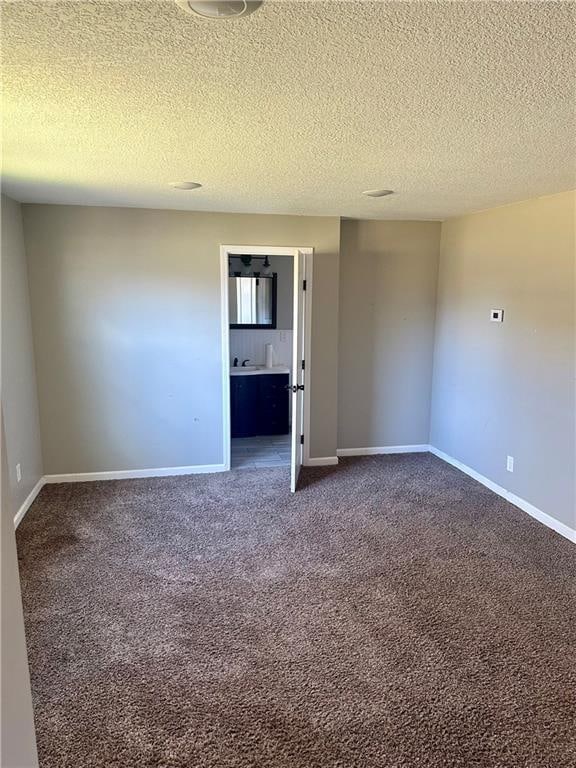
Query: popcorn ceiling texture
295	109
393	613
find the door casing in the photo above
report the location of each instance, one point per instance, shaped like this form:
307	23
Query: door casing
263	250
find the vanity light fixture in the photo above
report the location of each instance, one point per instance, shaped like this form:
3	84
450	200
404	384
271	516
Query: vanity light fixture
266	269
246	265
220	9
250	266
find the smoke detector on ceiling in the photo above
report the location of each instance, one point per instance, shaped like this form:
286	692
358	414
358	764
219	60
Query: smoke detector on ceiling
220	9
378	192
185	184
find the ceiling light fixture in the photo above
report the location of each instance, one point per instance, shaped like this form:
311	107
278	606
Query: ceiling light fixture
220	9
378	192
266	269
246	265
185	185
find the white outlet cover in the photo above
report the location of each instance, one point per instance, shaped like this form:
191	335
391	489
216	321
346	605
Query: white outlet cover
18	472
497	315
510	463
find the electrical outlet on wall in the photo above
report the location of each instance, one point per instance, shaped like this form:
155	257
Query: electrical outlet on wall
510	463
18	472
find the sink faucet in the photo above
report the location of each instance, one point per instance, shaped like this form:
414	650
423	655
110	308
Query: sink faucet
235	363
244	362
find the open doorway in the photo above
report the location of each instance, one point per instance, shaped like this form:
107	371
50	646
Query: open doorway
266	322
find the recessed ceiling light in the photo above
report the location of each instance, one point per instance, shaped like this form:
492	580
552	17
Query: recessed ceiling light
220	9
185	184
378	192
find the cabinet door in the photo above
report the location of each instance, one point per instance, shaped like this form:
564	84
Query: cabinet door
244	397
274	404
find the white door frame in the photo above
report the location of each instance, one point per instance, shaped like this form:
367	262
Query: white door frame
264	250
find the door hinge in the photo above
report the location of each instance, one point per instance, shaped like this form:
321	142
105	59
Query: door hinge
301	439
303	285
303	365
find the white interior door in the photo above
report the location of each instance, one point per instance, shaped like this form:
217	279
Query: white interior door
297	370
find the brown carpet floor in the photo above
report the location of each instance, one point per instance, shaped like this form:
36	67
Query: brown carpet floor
392	613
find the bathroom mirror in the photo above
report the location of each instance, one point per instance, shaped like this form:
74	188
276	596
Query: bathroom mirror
252	302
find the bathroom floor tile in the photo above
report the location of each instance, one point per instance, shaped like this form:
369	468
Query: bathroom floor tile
266	451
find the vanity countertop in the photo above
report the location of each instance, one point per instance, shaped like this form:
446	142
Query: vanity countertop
257	370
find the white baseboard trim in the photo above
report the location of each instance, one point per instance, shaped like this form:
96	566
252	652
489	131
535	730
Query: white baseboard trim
377	451
130	474
28	502
321	461
525	506
83	477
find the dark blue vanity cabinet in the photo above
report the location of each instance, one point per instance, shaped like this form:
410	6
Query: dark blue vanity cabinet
259	404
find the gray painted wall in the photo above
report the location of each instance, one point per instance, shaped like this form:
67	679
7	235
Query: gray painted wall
388	274
19	393
126	319
20	443
508	389
18	739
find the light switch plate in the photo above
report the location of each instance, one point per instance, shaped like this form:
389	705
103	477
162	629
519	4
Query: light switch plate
497	315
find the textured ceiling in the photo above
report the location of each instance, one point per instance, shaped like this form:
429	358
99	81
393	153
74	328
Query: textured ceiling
295	109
